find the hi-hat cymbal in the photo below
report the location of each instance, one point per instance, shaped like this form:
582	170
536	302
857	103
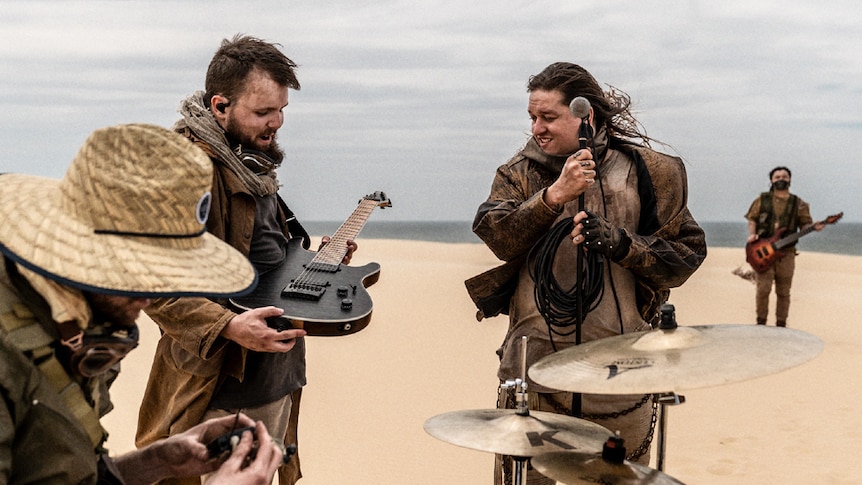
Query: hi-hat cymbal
574	468
672	360
505	432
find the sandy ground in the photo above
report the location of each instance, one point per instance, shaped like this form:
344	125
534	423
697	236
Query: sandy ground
424	354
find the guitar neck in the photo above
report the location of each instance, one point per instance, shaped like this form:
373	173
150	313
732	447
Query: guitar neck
334	252
787	241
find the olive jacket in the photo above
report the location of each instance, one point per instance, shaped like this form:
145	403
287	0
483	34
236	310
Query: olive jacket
49	421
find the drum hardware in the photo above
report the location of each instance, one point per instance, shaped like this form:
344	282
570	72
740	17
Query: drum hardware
519	433
664	399
673	358
576	468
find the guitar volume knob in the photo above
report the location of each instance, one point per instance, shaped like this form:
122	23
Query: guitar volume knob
342	291
346	305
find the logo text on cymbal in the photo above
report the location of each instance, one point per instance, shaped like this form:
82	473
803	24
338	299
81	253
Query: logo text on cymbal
539	439
624	365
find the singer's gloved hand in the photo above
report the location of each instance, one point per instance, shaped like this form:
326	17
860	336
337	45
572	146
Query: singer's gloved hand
602	236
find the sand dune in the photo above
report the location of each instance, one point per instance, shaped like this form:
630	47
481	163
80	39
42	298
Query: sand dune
424	354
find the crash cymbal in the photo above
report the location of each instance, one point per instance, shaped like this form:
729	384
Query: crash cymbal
574	468
676	359
505	432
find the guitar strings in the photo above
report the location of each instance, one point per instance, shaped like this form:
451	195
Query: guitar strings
329	257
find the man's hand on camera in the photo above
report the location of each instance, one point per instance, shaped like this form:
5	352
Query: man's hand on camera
246	468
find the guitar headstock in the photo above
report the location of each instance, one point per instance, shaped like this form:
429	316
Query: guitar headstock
833	218
379	197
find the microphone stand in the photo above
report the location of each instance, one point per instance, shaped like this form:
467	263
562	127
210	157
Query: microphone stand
585	135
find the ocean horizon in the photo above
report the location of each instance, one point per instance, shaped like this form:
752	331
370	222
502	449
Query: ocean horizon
840	238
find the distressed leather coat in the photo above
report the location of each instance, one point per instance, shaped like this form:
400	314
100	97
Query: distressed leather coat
191	357
666	249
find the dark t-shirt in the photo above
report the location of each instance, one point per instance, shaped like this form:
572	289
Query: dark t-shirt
268	376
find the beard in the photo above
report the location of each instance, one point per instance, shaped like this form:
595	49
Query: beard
236	136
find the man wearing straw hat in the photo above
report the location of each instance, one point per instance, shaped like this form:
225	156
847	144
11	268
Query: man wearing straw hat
81	258
212	360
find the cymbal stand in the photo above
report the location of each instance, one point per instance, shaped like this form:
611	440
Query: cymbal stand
521	407
665	399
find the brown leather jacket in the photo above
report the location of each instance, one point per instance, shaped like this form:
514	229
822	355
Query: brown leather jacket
191	357
667	248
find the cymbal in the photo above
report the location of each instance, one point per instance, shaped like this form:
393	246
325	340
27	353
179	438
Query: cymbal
574	468
677	359
505	432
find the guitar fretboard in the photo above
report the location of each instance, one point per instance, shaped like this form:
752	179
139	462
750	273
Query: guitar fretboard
328	258
787	241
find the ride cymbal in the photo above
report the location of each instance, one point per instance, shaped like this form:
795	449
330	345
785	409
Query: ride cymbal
574	468
505	432
671	360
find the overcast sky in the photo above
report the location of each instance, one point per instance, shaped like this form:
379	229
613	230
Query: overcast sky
423	100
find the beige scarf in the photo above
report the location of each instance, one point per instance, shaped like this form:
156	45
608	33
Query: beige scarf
200	120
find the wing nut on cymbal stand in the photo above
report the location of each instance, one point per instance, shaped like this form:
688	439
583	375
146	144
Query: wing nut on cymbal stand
522	408
519	385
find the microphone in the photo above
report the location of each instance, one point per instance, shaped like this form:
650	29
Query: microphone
580	107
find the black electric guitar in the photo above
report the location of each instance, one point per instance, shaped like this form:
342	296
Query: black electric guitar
317	292
761	254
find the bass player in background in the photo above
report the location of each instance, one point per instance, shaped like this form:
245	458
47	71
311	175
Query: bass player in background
773	210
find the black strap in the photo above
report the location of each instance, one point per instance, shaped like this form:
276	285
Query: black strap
648	222
293	225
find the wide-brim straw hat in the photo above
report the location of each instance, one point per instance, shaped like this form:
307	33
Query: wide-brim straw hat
127	219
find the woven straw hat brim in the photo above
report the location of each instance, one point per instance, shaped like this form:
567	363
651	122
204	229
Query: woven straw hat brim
36	233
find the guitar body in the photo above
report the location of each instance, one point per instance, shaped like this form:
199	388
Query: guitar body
761	254
317	293
339	306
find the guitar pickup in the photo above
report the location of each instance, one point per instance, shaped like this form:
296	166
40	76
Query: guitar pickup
303	292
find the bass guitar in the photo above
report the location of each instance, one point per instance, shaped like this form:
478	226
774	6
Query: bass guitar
317	292
761	254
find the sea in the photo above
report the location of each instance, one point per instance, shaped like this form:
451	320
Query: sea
839	238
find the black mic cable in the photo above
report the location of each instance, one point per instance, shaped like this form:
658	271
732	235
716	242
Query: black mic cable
560	306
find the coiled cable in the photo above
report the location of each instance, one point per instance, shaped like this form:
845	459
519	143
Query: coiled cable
558	305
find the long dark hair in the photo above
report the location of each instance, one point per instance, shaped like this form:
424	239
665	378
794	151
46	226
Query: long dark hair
612	108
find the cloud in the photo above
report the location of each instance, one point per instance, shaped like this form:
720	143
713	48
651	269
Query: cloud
424	99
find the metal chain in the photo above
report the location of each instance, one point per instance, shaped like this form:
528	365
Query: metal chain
645	444
507	400
647	441
560	409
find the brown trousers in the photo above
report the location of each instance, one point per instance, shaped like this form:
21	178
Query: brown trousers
781	273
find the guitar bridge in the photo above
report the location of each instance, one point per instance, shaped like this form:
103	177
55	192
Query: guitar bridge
304	291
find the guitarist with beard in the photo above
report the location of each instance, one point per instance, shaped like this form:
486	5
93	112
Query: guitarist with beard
211	360
774	210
